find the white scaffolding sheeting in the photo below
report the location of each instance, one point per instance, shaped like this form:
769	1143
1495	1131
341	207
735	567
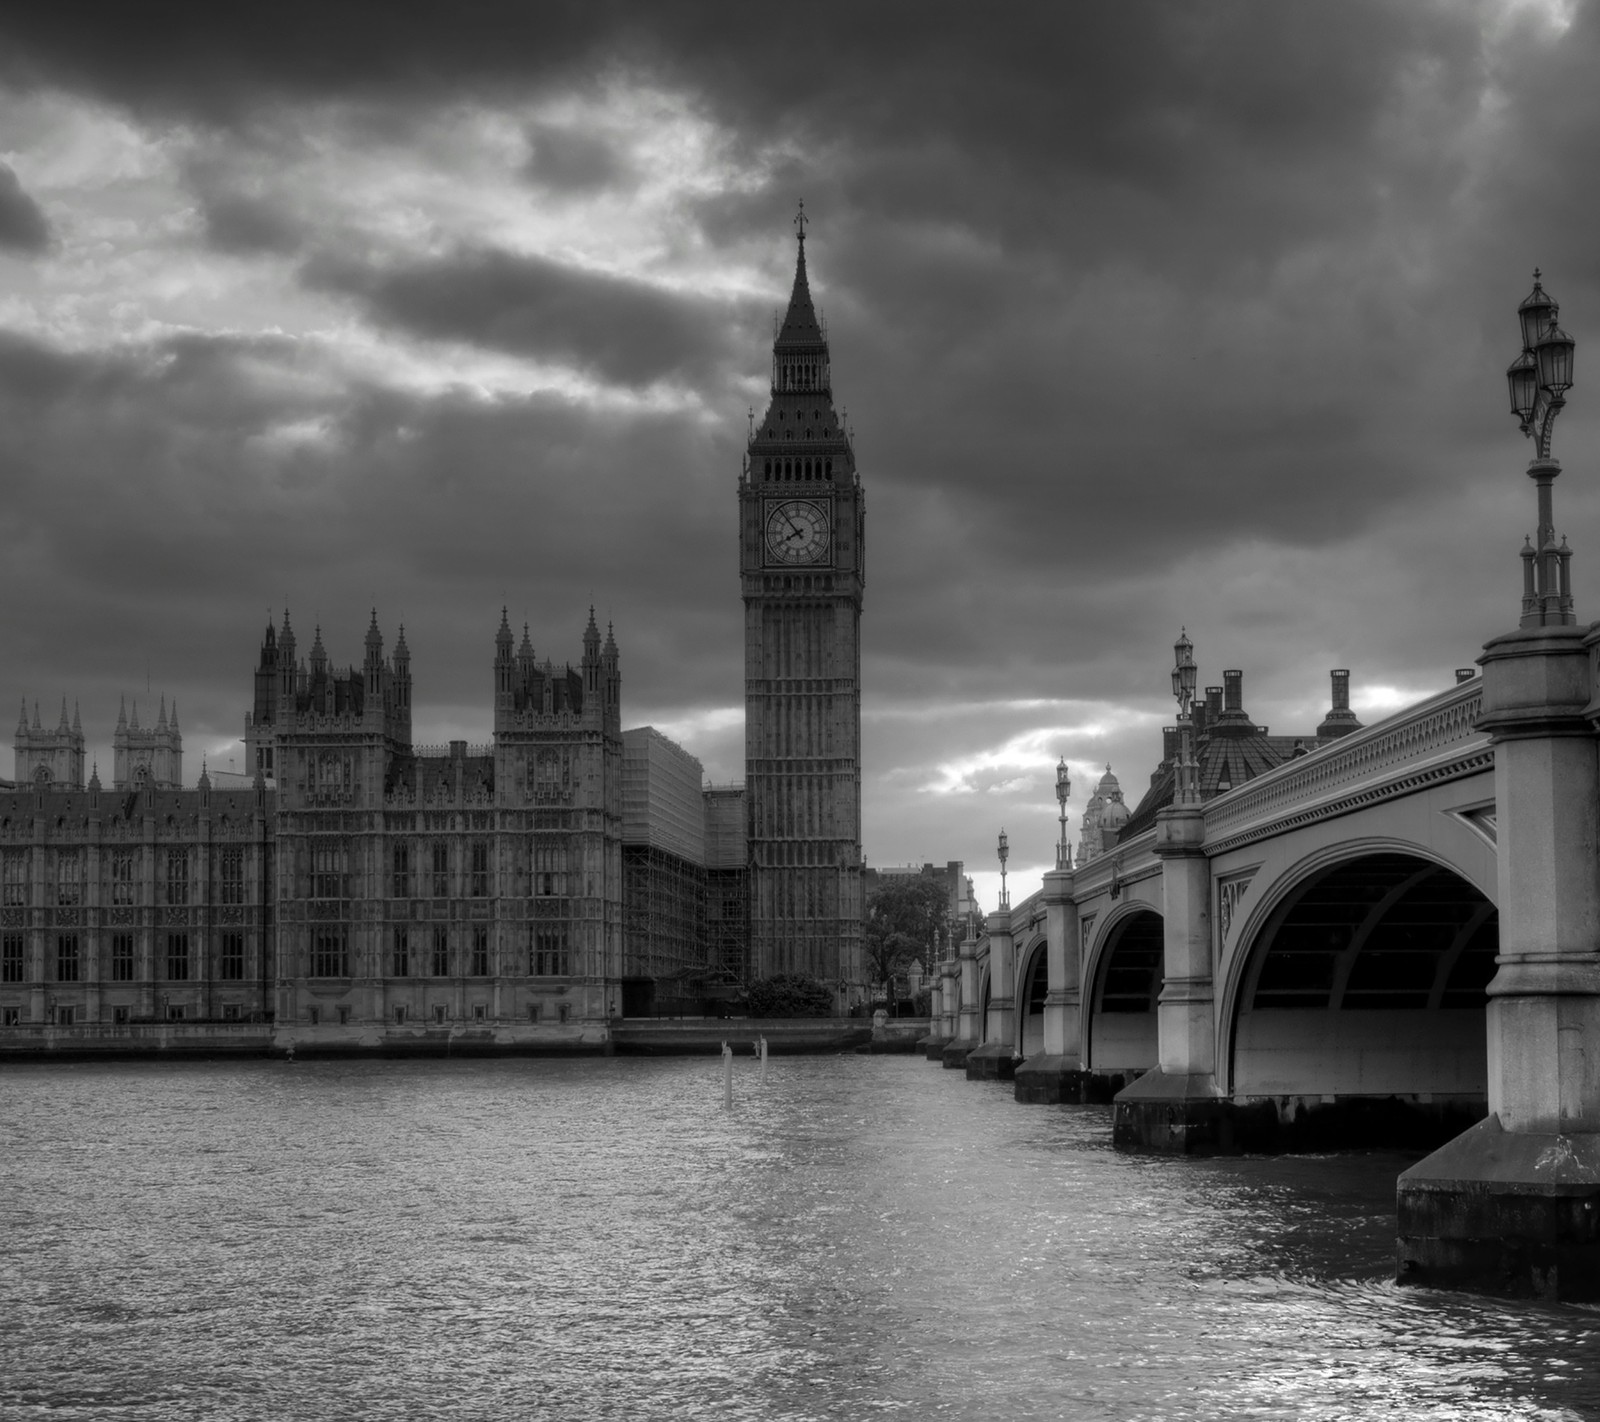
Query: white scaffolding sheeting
661	805
725	827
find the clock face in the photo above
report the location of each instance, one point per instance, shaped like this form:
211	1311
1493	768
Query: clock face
798	531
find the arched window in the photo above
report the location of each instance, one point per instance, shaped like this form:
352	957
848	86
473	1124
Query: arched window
827	469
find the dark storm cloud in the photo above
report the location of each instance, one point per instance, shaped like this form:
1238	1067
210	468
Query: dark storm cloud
624	331
169	493
1144	313
237	223
571	160
23	225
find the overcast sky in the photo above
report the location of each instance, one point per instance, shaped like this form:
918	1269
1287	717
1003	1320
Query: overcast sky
1145	316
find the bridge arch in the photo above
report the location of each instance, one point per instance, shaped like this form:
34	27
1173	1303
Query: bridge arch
1123	978
1361	975
1033	981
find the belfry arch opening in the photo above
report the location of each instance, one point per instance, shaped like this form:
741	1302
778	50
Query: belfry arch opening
1366	985
1123	1036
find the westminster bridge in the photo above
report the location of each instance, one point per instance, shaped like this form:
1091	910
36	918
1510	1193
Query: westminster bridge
1392	939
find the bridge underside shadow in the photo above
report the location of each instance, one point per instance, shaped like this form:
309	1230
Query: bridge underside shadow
1123	1037
1360	1017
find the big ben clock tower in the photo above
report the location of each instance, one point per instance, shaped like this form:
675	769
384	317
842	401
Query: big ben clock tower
801	543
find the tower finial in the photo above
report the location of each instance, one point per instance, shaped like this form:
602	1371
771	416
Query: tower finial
801	221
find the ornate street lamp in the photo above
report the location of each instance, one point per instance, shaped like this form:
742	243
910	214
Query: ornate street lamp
1539	379
1005	854
1063	794
1185	777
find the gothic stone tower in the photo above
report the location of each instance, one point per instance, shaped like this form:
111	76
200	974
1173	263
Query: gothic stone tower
801	564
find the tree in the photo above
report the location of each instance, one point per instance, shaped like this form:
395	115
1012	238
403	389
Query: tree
904	914
789	995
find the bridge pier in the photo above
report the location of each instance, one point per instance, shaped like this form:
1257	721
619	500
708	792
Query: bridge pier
1177	1108
996	1059
1513	1204
1057	1074
966	1034
950	986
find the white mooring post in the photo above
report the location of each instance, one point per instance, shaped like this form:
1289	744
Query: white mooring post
763	1046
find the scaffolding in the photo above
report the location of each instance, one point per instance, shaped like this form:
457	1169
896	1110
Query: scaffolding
663	914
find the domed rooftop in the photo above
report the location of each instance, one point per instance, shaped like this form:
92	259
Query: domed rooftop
1109	787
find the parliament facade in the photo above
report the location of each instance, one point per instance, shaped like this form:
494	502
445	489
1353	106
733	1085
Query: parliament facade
356	889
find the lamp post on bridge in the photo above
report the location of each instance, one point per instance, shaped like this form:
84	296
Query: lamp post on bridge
1185	779
1508	1206
1539	379
1005	853
1063	794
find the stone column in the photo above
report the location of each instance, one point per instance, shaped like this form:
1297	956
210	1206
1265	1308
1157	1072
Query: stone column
1057	1075
1513	1204
996	1059
1177	1108
966	1037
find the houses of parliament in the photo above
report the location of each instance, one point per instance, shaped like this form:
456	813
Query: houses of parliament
355	888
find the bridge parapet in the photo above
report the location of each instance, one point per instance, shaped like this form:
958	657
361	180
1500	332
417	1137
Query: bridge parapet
1434	740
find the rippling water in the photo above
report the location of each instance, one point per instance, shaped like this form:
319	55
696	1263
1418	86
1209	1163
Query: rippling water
859	1237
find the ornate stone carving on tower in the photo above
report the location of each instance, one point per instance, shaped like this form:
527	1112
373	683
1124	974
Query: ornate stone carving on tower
147	755
802	571
49	757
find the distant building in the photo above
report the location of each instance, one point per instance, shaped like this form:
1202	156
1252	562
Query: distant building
52	757
663	860
136	905
376	890
152	755
1229	749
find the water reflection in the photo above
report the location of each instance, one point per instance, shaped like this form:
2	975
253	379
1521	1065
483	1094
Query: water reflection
600	1239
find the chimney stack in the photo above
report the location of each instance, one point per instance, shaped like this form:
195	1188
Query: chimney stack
1233	691
1340	720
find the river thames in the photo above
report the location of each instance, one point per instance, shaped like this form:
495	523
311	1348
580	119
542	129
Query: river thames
858	1237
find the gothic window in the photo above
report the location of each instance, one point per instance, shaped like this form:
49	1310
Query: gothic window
230	874
230	966
402	873
177	876
178	957
15	872
11	958
122	876
480	951
827	469
441	871
69	878
330	871
122	957
330	952
549	957
401	967
332	776
550	868
480	869
441	952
